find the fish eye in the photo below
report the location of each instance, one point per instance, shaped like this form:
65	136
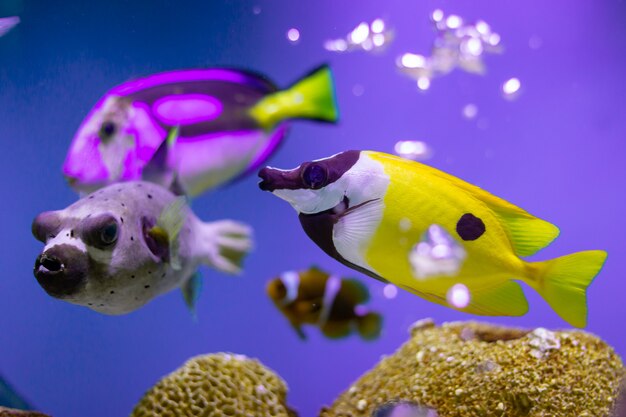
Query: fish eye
99	231
315	307
107	130
108	233
315	176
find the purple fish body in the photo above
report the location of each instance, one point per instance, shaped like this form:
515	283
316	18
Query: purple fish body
225	122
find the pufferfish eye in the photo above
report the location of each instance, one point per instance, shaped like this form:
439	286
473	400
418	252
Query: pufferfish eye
99	231
108	234
315	176
107	130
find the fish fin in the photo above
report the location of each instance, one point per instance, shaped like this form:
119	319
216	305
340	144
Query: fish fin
299	331
171	221
225	245
157	170
563	283
176	186
191	292
316	268
528	234
312	97
337	330
358	291
503	299
370	325
356	226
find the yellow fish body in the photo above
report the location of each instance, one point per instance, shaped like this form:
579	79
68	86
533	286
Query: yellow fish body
377	206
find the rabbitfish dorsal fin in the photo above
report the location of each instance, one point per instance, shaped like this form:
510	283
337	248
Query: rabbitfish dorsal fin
527	233
170	222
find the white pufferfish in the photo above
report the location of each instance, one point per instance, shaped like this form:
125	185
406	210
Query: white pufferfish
354	205
116	249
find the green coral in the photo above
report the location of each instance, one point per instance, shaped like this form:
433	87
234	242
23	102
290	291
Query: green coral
217	385
476	369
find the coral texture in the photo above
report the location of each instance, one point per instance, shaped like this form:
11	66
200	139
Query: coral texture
476	369
217	385
10	412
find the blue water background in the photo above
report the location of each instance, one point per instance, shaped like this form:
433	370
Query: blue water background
558	151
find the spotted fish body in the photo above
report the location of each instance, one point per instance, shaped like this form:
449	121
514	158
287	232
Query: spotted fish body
147	256
227	122
356	206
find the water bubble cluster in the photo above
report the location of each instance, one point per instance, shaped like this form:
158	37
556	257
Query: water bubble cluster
413	149
370	37
436	254
8	23
457	45
542	341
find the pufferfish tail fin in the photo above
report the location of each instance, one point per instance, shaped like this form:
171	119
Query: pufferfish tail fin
563	283
312	97
224	244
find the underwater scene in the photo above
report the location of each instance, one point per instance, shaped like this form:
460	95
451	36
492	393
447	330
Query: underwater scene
319	209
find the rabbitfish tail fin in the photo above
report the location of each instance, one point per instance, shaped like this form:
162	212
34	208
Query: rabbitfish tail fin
312	97
224	244
563	283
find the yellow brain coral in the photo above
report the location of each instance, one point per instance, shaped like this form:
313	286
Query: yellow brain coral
475	369
217	385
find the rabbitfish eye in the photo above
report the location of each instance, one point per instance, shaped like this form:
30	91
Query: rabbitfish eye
315	176
107	130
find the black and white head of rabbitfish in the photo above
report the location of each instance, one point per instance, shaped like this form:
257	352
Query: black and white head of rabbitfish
352	205
118	248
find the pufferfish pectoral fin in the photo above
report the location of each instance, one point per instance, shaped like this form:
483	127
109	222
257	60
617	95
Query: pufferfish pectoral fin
191	291
171	221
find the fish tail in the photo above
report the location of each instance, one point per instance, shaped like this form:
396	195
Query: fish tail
563	283
370	325
311	97
224	244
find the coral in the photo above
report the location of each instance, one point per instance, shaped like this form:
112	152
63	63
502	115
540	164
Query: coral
217	385
10	412
476	369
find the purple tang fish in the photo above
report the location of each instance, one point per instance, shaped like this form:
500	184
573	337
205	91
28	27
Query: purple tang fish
191	130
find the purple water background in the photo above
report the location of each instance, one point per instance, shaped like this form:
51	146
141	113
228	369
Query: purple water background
559	151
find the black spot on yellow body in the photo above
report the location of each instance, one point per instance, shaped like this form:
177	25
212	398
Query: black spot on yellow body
470	227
